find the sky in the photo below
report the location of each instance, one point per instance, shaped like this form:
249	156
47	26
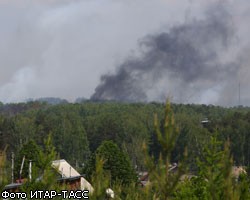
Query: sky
191	51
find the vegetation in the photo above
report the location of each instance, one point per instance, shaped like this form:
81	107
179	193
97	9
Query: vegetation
105	140
116	164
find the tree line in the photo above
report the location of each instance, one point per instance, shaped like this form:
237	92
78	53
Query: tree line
207	151
78	129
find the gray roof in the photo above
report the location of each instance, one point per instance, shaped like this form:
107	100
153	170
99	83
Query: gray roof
12	186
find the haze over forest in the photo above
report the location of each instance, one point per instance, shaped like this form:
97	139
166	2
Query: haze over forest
193	51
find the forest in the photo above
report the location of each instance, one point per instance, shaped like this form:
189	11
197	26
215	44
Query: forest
197	135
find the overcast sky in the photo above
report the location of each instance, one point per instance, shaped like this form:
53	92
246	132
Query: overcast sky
61	48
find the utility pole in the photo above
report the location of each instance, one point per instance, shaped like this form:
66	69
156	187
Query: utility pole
12	166
30	170
20	174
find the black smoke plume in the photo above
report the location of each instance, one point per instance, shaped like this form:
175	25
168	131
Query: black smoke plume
182	62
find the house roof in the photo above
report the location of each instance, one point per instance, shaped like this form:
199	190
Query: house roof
67	171
64	168
72	178
12	186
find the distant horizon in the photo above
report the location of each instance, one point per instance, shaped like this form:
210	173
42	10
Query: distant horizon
83	99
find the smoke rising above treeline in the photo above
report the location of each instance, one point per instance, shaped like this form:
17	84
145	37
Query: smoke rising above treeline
188	51
186	58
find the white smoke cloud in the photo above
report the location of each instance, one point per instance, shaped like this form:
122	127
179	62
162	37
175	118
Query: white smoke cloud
20	85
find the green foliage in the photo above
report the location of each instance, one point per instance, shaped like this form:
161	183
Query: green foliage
216	168
100	180
24	129
43	176
77	130
191	190
116	163
170	133
163	182
47	155
3	174
69	135
30	151
214	179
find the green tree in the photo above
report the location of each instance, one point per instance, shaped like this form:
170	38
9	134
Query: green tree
163	183
100	180
116	163
68	133
30	151
215	167
45	177
3	175
214	179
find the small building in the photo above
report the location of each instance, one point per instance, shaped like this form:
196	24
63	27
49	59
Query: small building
144	176
237	171
205	122
67	172
71	183
69	178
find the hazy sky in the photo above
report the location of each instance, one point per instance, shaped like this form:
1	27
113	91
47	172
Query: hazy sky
61	48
